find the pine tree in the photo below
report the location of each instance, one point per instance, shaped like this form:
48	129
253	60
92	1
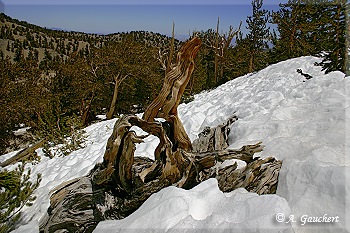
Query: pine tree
312	27
257	36
15	192
286	46
334	34
18	55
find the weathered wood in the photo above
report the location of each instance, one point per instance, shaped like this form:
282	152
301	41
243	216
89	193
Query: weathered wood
213	139
23	154
118	158
115	198
121	183
259	176
127	159
71	208
246	153
174	85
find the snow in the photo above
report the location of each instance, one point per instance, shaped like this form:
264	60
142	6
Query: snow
59	169
21	131
203	208
301	122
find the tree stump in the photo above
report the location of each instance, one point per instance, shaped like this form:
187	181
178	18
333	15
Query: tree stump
121	183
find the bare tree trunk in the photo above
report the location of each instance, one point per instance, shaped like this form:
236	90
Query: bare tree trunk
118	80
23	154
220	44
174	85
85	109
172	45
251	64
121	183
216	59
110	113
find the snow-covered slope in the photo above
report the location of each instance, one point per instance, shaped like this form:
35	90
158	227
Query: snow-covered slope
302	122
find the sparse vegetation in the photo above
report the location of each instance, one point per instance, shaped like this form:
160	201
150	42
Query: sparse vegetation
51	77
55	82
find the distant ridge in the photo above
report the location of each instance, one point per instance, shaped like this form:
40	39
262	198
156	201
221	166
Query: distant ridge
58	29
182	37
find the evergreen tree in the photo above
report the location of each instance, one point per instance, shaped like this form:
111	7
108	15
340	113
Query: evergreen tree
297	24
18	55
286	45
240	56
334	34
15	192
312	27
256	39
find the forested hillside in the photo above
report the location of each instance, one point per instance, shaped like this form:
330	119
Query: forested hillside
56	81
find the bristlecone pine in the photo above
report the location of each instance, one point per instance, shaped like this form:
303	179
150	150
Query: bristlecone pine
121	183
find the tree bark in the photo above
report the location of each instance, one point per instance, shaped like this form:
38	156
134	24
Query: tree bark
85	109
121	183
117	82
174	85
114	190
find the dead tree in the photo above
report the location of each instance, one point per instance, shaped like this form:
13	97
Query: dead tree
165	56
86	102
219	44
118	79
174	85
23	154
121	183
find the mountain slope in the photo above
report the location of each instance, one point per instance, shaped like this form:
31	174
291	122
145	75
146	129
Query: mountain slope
302	122
23	36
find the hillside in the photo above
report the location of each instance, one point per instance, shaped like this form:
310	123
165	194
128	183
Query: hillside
52	76
15	34
302	122
53	80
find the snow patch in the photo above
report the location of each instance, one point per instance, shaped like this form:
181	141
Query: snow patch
203	208
302	122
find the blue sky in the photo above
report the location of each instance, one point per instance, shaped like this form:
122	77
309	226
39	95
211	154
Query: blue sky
107	16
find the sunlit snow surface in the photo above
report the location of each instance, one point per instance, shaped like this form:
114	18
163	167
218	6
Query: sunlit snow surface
302	123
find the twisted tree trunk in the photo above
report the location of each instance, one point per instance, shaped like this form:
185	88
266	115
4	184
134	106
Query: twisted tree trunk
118	186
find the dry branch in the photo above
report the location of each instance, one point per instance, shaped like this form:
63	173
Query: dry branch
117	187
23	154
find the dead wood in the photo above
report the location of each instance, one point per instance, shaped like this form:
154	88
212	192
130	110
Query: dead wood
174	85
213	139
121	183
23	154
117	191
